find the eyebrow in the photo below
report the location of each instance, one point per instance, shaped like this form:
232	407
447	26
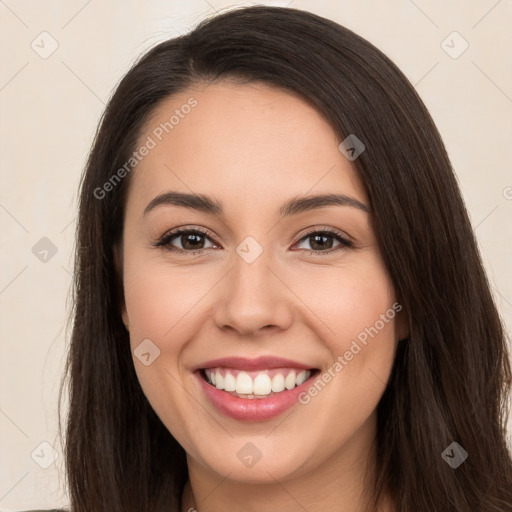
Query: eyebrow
294	206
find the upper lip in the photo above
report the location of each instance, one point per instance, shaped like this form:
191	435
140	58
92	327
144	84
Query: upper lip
260	363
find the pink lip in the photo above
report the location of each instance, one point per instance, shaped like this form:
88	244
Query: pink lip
260	363
256	409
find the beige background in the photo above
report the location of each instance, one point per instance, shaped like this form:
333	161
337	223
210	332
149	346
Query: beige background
50	109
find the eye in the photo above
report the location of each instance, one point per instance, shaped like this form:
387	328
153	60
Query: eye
190	240
323	240
191	243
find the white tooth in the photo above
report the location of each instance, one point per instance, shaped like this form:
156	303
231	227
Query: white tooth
243	383
262	384
212	377
277	383
229	382
289	382
219	380
301	377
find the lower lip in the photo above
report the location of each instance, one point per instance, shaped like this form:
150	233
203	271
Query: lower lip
255	409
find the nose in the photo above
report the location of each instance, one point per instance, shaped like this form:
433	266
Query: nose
254	298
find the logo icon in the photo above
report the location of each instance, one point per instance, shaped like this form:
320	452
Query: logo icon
146	352
45	45
44	250
249	250
249	454
351	147
454	45
44	455
454	455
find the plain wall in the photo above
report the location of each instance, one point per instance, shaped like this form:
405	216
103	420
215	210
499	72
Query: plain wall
50	110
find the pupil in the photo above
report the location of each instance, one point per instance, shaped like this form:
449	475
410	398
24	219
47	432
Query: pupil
188	237
320	246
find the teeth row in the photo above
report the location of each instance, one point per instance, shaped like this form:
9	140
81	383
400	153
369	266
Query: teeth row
261	385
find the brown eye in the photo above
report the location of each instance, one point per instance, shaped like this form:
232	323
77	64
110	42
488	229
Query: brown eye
190	240
322	241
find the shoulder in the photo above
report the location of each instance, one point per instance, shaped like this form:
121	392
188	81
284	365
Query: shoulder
46	510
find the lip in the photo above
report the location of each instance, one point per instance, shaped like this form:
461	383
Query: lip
257	409
260	363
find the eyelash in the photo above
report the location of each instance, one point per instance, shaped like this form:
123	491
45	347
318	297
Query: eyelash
165	240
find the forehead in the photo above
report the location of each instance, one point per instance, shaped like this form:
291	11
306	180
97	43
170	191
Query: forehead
249	142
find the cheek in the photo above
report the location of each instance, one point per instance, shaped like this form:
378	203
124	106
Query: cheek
348	300
164	306
360	311
161	299
162	303
356	313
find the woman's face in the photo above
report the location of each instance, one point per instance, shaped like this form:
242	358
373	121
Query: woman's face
249	285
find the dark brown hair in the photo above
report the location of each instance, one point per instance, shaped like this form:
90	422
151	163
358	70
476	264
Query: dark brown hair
451	378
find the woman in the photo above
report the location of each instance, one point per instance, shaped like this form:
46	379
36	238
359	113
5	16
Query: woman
279	301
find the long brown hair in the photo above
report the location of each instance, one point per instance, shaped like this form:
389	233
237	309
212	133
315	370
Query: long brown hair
451	377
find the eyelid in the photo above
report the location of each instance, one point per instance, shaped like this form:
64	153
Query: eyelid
326	229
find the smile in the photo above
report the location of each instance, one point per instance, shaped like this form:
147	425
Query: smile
254	395
255	384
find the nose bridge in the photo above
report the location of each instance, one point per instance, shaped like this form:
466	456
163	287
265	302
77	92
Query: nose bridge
253	297
251	268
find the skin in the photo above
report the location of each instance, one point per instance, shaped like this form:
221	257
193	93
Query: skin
253	147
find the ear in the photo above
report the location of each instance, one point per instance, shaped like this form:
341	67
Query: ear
118	265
